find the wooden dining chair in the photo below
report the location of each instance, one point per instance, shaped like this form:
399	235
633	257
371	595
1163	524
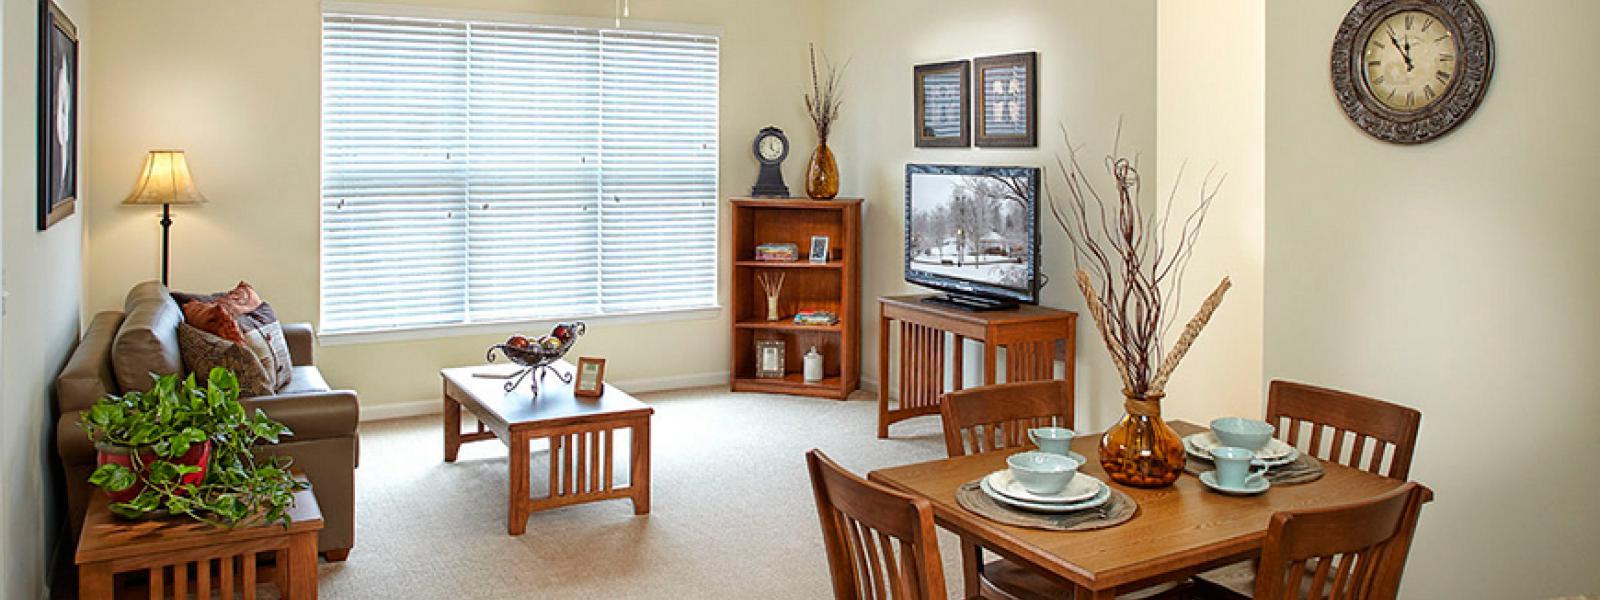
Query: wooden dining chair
1302	412
998	417
881	544
1391	429
1351	552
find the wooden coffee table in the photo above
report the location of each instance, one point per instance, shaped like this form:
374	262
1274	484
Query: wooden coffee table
580	431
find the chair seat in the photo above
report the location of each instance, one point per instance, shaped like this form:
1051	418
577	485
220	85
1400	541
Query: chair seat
1237	580
1006	580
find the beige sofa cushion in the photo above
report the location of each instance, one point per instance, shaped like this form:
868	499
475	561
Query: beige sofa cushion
87	376
148	340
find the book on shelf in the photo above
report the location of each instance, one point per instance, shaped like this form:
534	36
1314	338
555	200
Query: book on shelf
816	317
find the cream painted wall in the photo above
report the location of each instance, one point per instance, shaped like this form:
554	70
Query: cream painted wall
43	284
1457	277
1211	85
1097	62
237	85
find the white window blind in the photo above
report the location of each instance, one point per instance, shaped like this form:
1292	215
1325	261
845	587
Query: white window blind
480	172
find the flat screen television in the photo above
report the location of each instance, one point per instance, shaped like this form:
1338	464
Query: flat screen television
973	233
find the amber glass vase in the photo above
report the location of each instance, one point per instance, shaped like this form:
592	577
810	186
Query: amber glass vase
822	176
1142	450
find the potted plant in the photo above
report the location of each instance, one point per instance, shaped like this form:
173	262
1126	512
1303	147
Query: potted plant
181	448
1131	259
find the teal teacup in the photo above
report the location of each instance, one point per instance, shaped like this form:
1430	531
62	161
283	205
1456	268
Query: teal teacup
1042	473
1054	440
1234	469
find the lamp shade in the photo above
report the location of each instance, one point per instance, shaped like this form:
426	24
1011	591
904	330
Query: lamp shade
165	180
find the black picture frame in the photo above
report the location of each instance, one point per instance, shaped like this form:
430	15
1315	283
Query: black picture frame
945	88
1007	117
58	115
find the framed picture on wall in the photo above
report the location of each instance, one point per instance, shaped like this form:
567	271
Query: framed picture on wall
941	102
1008	100
58	115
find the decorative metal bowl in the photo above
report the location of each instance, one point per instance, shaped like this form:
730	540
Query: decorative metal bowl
537	357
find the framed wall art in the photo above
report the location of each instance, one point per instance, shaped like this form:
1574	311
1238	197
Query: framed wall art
58	115
1008	100
942	101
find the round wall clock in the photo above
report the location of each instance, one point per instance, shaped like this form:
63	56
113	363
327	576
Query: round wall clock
1409	71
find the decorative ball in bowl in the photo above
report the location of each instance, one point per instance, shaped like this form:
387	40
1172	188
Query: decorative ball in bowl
536	354
1250	434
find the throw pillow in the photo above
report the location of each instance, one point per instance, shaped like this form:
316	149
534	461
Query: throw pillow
203	350
213	318
258	327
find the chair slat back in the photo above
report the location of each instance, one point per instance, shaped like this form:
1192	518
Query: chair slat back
1351	552
998	417
881	544
1297	409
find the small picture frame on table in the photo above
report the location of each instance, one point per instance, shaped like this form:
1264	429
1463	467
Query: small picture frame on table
769	358
819	248
591	378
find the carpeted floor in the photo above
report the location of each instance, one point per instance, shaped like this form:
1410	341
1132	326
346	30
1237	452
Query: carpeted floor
731	516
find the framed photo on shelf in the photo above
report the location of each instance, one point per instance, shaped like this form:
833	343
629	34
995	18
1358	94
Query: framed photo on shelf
1008	100
819	248
591	377
769	358
942	101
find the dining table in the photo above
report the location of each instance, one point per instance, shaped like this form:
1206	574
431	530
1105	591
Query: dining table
1179	530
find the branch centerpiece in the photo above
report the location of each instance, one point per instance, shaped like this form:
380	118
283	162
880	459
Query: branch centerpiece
1130	261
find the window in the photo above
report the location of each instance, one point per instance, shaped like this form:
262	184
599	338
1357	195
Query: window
482	172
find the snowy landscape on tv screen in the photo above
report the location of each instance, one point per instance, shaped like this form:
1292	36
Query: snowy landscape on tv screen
971	227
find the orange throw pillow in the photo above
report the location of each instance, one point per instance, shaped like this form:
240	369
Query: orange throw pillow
240	300
213	318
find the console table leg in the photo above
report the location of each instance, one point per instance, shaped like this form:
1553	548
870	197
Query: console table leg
517	504
990	352
958	361
302	567
639	475
883	377
94	581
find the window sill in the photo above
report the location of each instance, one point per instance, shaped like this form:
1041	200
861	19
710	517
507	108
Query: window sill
429	332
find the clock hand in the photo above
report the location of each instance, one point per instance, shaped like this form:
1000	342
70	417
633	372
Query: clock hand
1405	51
1409	66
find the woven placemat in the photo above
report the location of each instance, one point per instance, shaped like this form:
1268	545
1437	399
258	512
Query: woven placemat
1304	469
1116	511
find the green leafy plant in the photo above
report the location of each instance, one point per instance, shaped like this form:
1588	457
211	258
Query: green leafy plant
158	427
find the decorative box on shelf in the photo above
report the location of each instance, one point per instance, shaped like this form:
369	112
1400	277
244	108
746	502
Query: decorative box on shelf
816	317
777	253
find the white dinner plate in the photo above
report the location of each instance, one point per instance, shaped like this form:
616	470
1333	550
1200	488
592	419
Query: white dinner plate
1082	487
1275	454
1095	502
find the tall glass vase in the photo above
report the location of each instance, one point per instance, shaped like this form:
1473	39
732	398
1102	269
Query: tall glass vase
1142	450
822	176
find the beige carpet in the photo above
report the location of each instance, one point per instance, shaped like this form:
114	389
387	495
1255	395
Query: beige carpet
731	516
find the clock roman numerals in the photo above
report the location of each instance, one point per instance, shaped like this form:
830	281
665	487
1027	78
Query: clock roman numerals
1408	22
1442	76
1426	23
1428	90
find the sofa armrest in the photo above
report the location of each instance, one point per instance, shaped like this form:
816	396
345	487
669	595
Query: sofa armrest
312	415
302	340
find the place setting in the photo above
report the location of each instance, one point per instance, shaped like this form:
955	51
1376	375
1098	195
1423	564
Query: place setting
1044	489
1239	456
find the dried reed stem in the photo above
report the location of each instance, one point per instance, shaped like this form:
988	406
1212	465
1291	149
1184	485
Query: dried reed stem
1098	311
1190	332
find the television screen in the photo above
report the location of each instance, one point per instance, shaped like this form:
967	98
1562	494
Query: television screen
973	230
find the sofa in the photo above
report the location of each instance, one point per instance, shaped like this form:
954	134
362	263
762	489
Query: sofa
120	349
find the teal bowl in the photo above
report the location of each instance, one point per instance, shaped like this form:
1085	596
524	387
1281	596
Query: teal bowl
1041	472
1250	434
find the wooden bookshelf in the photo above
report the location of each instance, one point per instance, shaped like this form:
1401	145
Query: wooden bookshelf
834	285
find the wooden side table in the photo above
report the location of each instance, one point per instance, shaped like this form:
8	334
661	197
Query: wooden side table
1029	334
179	553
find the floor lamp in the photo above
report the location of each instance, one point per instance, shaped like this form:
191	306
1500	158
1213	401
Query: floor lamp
165	181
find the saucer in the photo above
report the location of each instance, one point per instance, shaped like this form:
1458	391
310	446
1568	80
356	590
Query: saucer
1209	478
1099	499
1082	487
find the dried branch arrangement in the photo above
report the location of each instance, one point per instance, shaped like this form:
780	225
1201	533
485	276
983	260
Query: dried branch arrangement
822	104
1130	266
771	284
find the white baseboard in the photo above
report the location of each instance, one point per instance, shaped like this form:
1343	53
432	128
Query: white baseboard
432	406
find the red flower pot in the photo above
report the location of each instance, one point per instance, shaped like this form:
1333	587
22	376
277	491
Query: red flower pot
198	455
